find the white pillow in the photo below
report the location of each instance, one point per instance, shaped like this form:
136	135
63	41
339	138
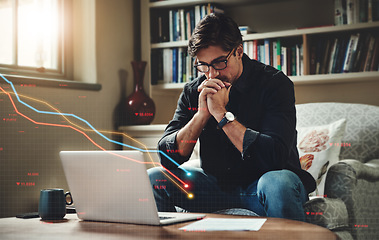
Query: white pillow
319	148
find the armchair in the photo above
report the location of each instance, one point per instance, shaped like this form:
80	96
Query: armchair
350	207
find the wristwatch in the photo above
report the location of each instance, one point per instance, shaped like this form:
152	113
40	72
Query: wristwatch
228	117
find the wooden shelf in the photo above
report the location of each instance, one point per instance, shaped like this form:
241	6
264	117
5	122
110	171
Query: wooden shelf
335	78
187	3
310	31
284	33
170	44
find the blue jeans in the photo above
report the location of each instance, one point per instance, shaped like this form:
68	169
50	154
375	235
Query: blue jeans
275	194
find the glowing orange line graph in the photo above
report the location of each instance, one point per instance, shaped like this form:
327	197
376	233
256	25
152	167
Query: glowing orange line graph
92	141
97	145
83	120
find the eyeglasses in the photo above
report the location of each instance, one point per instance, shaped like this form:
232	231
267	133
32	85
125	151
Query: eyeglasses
217	65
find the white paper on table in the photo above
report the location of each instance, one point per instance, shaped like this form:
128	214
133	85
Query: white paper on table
225	224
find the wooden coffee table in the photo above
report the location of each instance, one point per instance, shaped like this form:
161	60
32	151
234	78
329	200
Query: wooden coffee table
72	228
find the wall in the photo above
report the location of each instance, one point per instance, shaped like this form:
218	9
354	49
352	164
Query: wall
353	92
29	151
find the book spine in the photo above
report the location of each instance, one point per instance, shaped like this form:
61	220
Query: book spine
245	48
340	55
171	24
351	48
267	51
369	11
167	65
178	34
197	14
180	65
339	12
182	25
174	65
274	62
284	60
332	55
188	25
299	52
289	61
203	11
350	8
193	21
325	56
259	57
278	54
293	61
370	50
255	51
188	66
251	49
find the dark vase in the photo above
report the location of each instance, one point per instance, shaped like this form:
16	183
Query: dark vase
140	107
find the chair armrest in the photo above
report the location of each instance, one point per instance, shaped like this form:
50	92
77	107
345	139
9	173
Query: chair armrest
327	212
342	178
368	171
357	185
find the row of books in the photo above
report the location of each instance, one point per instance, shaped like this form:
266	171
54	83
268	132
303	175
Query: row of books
178	24
172	65
355	11
357	52
175	65
288	58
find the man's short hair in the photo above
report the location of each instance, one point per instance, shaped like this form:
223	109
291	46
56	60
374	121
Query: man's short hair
215	29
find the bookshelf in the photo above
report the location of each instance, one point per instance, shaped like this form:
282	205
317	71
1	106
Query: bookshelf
288	31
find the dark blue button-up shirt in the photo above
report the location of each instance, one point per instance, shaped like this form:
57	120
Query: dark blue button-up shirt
262	99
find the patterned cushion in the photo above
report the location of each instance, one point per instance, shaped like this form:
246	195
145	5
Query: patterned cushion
361	140
319	149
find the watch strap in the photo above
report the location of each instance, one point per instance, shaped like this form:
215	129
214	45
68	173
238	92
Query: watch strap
222	123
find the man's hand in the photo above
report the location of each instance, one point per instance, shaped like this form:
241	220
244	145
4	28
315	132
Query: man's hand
203	111
216	103
208	86
214	83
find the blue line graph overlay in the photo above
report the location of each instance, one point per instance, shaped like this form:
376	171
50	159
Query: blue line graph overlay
88	124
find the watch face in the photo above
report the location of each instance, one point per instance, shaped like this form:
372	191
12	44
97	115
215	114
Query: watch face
229	116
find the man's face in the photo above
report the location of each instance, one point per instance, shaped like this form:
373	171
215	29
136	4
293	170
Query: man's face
215	54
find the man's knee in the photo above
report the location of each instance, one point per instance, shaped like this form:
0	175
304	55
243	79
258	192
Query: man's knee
279	182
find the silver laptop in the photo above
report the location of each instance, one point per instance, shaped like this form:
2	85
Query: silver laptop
113	186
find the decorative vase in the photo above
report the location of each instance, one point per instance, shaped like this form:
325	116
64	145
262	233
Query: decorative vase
140	107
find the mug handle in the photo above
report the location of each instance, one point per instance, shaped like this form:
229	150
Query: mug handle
71	201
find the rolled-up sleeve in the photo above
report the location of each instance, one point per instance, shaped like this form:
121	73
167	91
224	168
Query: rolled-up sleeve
248	139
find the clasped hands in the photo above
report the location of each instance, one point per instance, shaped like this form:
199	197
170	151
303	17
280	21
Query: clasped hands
214	95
